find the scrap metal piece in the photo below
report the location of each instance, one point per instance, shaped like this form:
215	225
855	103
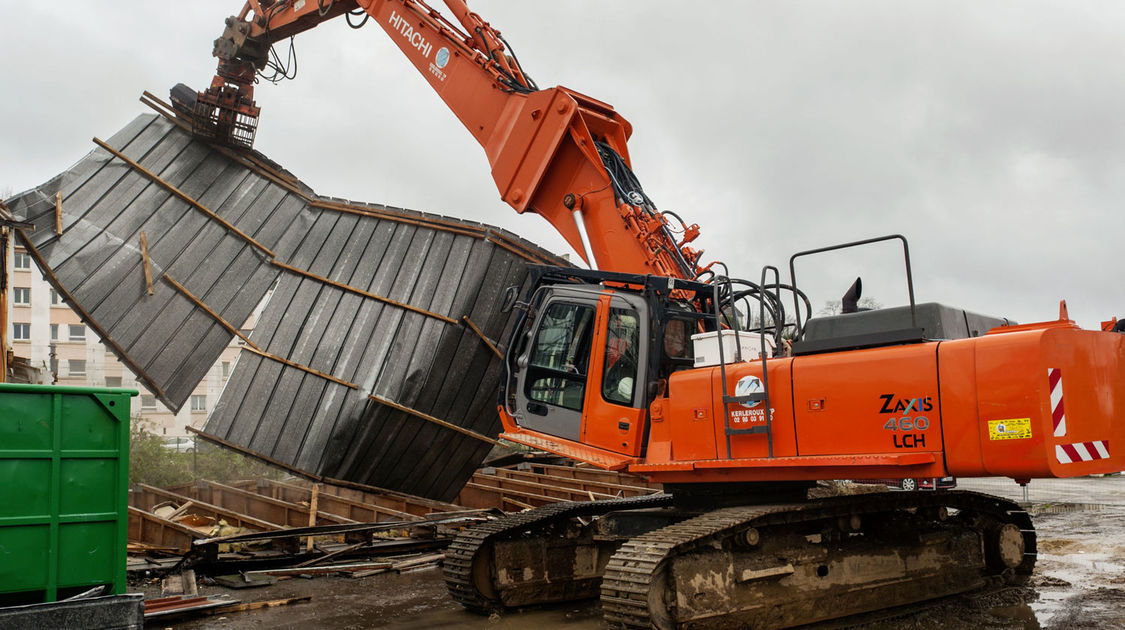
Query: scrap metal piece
372	361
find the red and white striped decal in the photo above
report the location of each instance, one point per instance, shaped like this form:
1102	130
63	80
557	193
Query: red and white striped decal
1054	377
1082	451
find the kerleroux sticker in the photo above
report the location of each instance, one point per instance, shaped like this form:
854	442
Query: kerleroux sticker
1010	429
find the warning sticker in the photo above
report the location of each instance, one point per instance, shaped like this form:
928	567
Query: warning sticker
1011	429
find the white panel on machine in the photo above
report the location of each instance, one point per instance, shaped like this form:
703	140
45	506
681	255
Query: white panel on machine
706	347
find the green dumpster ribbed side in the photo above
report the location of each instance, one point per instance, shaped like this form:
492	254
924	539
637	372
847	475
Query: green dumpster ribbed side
64	490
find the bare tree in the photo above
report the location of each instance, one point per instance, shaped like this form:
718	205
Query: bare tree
833	307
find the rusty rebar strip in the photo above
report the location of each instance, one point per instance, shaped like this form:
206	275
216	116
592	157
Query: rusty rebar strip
49	273
184	197
437	421
207	309
250	345
289	183
357	291
397	218
504	244
453	224
303	368
488	342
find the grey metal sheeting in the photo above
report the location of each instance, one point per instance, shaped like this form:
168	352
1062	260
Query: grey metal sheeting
269	407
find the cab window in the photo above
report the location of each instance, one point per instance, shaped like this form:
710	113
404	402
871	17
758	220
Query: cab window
619	373
558	361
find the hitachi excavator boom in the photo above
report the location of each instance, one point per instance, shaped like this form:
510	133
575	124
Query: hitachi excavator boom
658	365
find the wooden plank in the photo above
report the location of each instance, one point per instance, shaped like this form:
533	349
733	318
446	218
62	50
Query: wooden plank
145	496
417	506
541	489
413	563
335	568
312	515
572	483
58	212
151	529
328	502
477	496
147	264
266	508
273	603
594	474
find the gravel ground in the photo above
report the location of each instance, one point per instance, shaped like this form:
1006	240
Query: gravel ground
1079	584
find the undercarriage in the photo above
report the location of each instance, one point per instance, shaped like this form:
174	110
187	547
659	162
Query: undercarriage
660	563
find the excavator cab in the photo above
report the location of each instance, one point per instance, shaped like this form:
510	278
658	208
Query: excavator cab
592	350
579	366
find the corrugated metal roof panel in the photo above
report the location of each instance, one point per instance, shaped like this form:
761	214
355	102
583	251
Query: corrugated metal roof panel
368	303
96	261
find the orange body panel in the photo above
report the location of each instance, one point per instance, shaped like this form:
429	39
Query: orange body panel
1004	422
970	407
868	401
604	459
607	425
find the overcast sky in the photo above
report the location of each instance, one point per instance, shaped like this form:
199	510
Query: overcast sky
990	134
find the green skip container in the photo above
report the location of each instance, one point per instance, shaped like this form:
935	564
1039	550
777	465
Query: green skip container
64	484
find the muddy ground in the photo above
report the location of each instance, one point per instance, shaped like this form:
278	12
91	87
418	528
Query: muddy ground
1079	584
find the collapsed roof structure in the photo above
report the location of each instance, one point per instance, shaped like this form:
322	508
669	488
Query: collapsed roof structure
374	359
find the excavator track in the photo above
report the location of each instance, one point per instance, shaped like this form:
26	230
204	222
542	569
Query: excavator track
470	578
693	574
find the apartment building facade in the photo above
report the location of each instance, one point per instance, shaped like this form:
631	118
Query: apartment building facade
41	324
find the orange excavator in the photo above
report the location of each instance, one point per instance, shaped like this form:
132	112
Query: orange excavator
657	364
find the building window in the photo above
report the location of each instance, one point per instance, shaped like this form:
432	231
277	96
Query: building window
77	367
55	299
77	332
21	261
226	369
148	401
113	381
54	332
198	402
21	296
21	331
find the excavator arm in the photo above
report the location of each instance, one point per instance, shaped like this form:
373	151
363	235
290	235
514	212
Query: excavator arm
554	152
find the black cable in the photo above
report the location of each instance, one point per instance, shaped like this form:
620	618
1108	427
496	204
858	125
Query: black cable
625	183
322	10
699	276
280	71
507	78
530	82
357	12
683	224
